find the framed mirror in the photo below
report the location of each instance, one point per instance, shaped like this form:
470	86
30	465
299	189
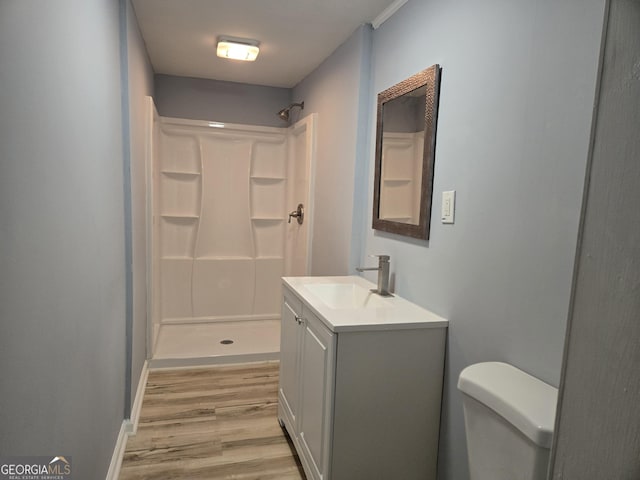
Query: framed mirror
405	151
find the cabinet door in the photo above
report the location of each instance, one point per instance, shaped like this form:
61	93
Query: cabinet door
290	335
316	394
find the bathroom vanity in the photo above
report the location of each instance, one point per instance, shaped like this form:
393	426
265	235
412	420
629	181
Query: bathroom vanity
360	380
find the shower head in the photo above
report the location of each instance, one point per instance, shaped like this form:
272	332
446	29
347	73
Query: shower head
284	113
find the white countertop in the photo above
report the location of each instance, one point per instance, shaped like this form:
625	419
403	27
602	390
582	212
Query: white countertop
394	313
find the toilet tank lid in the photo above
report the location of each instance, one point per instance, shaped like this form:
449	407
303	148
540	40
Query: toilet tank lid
526	402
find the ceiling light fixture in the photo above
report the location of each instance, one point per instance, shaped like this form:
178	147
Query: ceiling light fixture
238	48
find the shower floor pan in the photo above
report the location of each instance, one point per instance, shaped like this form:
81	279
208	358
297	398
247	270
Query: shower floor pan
184	345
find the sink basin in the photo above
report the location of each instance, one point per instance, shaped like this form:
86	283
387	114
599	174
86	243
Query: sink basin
346	304
346	295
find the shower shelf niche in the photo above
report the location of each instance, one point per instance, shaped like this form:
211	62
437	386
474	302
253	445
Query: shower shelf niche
179	216
266	179
176	173
226	257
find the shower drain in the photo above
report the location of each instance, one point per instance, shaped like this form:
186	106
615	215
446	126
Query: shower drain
226	342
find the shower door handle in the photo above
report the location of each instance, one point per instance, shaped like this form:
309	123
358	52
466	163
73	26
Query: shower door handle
298	213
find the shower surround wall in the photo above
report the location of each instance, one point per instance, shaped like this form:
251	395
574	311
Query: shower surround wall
220	203
221	216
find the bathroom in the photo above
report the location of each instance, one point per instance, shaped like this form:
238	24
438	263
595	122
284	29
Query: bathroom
513	138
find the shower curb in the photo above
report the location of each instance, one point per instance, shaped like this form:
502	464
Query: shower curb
177	362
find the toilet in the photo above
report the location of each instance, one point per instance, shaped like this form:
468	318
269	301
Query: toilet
509	417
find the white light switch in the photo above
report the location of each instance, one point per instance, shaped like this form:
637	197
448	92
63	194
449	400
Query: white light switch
448	206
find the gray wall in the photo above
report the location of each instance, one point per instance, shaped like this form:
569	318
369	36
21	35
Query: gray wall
62	293
598	429
140	84
517	90
333	92
201	99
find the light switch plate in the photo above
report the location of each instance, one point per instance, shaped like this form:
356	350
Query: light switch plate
448	206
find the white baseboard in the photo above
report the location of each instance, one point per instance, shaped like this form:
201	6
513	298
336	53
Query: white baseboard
137	402
128	427
118	452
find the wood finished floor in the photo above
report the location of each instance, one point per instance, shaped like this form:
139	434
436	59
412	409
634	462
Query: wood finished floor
211	423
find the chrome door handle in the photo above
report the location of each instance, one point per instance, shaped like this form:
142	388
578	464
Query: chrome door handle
299	320
298	213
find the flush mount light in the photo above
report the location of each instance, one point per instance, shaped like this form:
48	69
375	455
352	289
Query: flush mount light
238	48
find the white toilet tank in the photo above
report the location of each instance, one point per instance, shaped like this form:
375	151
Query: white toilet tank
509	417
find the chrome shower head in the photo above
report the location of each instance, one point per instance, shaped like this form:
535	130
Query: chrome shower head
284	113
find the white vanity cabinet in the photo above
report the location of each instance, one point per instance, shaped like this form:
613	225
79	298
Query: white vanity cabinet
360	398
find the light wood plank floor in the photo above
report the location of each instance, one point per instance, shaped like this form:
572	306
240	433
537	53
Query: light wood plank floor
211	423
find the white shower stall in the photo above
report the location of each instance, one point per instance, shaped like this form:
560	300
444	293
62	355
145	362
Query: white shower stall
219	196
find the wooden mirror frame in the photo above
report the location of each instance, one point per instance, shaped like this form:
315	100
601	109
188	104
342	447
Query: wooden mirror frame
431	79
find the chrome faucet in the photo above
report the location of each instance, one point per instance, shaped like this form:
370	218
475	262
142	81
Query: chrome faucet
383	275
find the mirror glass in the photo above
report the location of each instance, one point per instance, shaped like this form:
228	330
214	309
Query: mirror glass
404	160
402	149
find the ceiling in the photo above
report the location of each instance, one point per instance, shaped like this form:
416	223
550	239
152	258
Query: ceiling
295	35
